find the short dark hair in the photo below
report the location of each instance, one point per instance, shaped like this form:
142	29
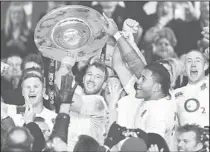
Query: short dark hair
160	75
194	128
101	66
37	58
86	143
32	72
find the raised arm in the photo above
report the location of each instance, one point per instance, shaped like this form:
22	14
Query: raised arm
120	68
128	53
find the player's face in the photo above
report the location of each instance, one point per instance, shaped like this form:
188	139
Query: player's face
32	90
17	15
93	80
145	85
164	48
195	66
187	142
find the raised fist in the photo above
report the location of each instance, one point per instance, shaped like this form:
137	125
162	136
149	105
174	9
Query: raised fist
130	26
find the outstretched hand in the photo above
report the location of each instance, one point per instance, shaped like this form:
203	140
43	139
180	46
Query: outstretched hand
130	26
66	92
111	27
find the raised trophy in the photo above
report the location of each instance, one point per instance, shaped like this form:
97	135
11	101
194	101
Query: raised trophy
75	31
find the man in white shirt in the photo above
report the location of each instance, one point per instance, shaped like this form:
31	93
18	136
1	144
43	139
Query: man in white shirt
153	111
32	83
157	114
153	86
193	99
88	110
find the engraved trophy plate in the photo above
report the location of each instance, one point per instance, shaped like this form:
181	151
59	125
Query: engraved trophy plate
75	31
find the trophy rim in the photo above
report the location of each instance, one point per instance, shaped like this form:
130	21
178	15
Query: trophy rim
74	51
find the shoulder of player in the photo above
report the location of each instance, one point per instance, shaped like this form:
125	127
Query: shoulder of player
97	101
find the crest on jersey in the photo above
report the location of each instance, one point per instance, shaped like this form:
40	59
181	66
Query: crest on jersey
203	86
178	94
191	105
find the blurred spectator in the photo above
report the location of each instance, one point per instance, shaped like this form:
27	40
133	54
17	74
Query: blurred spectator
10	79
135	11
183	30
16	36
163	45
115	10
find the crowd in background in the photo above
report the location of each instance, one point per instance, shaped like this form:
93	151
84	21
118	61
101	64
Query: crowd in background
148	91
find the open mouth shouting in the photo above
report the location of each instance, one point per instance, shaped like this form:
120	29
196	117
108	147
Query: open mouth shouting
193	72
90	85
32	96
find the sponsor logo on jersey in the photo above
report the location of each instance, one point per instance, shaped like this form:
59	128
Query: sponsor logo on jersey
191	105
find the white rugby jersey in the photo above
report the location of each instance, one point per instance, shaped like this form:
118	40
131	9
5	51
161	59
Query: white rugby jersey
47	114
160	117
91	120
127	110
193	103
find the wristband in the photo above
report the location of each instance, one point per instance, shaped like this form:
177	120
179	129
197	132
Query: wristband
118	35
